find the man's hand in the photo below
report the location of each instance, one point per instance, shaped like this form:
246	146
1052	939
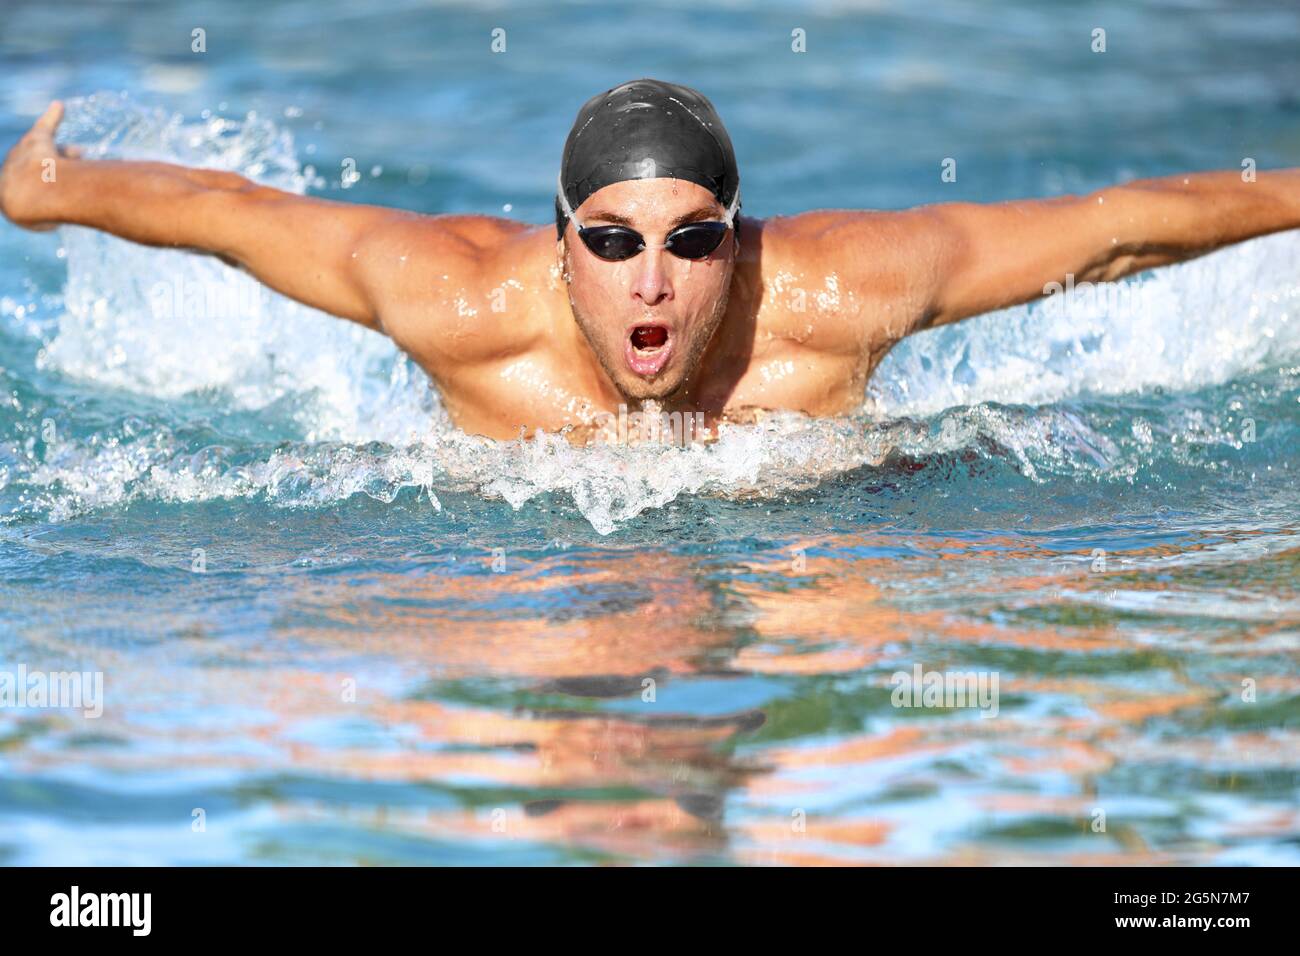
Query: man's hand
29	172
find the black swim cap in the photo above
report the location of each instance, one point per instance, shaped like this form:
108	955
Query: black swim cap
646	129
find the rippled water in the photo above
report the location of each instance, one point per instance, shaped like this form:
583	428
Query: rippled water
410	645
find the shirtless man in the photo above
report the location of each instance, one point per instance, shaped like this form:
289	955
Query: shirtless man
667	296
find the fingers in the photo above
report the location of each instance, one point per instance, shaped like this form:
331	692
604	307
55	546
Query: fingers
47	125
50	119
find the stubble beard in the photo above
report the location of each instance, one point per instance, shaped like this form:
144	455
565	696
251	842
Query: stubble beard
636	389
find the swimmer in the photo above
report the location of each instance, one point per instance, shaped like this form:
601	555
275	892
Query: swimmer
652	291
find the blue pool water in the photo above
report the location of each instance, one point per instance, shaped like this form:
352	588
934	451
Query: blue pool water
331	629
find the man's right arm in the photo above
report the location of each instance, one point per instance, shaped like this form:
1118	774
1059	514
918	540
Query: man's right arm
341	258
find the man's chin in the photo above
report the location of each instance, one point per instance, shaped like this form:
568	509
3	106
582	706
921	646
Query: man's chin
659	389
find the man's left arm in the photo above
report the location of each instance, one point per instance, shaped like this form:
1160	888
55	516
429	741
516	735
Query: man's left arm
989	257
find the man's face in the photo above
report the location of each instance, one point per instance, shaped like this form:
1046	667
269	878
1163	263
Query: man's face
650	317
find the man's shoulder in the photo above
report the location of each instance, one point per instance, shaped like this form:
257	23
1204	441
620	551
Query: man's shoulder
835	280
826	236
477	288
478	238
825	249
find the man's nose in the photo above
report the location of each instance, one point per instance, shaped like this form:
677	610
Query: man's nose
652	284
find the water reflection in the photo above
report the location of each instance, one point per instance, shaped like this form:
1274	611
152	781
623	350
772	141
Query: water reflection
632	706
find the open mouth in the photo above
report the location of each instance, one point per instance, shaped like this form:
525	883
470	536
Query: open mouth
648	348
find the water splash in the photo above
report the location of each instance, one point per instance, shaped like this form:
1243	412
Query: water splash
169	323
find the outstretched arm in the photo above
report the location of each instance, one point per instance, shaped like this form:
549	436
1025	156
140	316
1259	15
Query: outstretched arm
1000	255
928	266
342	258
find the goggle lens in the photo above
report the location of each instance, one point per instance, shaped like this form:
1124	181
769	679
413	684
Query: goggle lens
695	240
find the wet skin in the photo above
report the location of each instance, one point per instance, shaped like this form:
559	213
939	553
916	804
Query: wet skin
521	331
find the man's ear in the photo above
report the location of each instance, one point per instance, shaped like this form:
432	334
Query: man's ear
560	254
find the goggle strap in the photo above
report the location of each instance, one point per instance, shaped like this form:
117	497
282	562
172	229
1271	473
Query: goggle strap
728	217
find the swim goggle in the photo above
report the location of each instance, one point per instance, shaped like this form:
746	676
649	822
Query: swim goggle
692	240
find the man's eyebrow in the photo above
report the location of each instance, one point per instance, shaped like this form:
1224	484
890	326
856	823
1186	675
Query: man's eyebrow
608	217
702	212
